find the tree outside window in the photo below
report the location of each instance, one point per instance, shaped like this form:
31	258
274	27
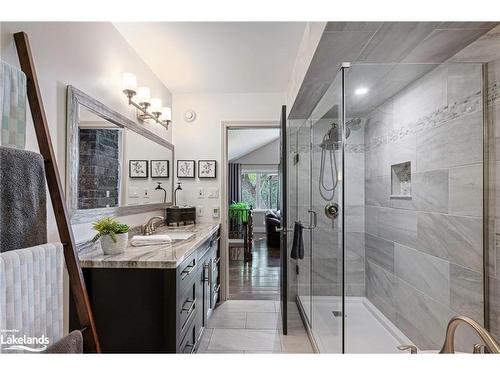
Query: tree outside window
260	189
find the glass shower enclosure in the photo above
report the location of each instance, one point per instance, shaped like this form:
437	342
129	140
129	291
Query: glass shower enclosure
386	179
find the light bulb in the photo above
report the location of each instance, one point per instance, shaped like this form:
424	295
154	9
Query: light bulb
129	81
155	105
166	114
143	95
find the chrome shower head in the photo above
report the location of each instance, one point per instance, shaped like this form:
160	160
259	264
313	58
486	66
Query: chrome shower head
332	140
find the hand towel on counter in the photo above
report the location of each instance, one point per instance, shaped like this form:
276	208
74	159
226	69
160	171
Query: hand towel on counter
12	106
157	239
23	201
298	243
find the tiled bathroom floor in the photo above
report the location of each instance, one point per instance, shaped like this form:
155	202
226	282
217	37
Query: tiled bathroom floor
241	326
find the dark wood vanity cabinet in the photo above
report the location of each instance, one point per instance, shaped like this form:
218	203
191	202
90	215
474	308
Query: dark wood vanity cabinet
154	310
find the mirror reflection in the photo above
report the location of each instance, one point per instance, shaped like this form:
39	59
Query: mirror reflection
119	167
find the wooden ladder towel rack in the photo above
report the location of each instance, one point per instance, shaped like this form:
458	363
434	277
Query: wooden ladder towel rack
77	283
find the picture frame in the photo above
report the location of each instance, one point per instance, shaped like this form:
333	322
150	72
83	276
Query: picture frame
160	168
207	168
186	168
138	169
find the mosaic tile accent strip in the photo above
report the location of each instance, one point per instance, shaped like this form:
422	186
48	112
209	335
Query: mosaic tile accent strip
433	120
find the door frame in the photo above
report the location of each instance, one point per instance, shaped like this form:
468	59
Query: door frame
224	241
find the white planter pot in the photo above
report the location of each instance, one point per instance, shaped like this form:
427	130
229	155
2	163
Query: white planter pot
109	247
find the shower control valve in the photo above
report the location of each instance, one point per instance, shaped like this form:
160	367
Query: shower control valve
332	210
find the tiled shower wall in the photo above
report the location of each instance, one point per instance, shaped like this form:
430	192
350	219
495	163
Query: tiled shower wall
494	258
424	254
98	171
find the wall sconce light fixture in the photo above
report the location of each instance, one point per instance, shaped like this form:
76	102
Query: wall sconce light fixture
147	108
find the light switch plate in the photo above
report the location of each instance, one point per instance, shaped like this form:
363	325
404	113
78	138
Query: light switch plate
201	193
133	192
213	192
199	211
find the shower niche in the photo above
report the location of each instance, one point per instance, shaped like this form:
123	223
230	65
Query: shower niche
401	180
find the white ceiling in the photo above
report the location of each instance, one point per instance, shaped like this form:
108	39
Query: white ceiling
243	141
217	57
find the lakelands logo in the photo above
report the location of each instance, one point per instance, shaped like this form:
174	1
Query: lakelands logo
11	340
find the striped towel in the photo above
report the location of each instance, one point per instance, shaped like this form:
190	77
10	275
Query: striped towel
31	298
12	106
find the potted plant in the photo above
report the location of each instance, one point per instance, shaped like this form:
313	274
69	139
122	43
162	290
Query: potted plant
112	234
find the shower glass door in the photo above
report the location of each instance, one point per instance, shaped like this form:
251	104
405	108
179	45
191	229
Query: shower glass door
326	203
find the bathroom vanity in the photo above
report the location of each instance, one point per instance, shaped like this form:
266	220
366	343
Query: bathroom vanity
157	298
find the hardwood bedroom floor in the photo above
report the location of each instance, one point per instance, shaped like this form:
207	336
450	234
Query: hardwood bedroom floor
259	278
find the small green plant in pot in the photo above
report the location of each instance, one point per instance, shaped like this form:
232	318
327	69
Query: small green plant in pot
112	235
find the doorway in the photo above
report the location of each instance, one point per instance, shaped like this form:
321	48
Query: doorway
251	164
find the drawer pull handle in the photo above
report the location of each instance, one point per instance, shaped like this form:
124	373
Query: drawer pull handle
185	273
206	268
189	309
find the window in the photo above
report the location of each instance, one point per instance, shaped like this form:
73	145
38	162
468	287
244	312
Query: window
260	189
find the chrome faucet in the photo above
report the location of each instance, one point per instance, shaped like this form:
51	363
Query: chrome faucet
449	343
149	227
490	345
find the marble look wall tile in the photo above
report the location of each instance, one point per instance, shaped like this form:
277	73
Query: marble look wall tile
454	238
431	148
380	252
463	80
354	219
398	225
380	289
404	150
325	243
495	306
377	191
423	319
354	268
438	149
430	191
355	242
466	292
355	290
371	220
466	190
425	272
467	136
420	98
325	270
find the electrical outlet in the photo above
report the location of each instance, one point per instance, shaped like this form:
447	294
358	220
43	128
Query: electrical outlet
213	192
199	211
201	193
215	211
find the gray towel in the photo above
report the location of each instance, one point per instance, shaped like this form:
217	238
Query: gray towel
70	344
23	211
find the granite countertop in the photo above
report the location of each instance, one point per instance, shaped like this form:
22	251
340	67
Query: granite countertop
152	256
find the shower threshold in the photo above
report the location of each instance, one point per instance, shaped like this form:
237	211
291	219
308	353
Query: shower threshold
367	329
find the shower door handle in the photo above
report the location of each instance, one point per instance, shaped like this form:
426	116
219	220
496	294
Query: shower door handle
313	220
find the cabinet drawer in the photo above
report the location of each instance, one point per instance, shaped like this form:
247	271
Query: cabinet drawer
186	272
188	343
187	308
